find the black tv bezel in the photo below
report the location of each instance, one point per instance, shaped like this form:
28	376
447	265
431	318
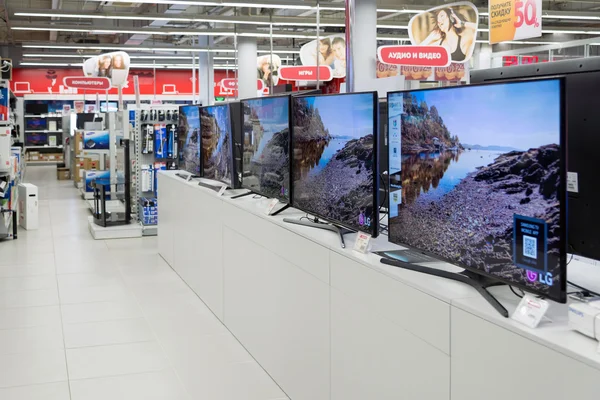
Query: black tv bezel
374	231
37	106
232	183
562	295
281	199
181	150
29	128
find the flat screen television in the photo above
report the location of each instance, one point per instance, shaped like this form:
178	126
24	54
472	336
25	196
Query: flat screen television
334	165
478	179
35	124
266	146
582	82
113	106
189	139
36	109
217	144
36	139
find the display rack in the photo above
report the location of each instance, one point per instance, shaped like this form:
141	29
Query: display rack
147	163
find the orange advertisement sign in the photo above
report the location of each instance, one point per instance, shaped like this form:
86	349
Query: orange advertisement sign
514	20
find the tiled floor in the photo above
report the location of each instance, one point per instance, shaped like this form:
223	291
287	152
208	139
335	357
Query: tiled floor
97	320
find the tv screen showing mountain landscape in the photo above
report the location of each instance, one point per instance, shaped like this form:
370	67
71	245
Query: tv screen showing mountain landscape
189	139
479	181
266	144
217	150
334	148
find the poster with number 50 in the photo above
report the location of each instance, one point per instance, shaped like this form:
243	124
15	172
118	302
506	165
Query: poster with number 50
515	20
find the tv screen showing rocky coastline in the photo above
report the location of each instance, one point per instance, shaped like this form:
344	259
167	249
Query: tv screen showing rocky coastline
217	150
478	181
189	139
334	148
266	144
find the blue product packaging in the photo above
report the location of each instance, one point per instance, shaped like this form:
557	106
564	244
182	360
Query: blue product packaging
160	140
96	140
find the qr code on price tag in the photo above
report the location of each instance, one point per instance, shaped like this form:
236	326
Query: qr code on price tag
530	247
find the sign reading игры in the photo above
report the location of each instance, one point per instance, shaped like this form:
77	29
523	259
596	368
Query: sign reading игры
515	20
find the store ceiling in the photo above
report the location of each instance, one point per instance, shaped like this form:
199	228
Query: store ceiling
67	31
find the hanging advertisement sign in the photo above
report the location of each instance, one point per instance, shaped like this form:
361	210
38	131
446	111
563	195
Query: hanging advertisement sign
452	26
418	56
114	66
306	73
331	52
514	20
455	72
82	82
267	69
78	106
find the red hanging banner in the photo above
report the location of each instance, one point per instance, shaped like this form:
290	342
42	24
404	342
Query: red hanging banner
83	82
305	73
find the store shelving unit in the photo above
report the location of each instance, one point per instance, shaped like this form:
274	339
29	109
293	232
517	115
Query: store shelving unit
142	159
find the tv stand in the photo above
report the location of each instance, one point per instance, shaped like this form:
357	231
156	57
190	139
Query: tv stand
237	196
186	176
319	225
476	281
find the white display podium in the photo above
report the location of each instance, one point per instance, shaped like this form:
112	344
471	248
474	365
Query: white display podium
28	206
331	323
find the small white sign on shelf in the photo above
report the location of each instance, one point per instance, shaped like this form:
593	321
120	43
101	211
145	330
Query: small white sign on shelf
189	177
530	311
271	206
572	182
222	190
362	242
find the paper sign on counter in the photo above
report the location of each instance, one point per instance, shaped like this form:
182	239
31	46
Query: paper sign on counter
222	190
271	206
530	311
362	242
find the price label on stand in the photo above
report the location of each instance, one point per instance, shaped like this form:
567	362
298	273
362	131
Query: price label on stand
362	242
222	190
530	311
515	20
271	206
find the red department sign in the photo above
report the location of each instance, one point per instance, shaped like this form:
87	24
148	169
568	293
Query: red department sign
232	84
83	82
305	73
417	56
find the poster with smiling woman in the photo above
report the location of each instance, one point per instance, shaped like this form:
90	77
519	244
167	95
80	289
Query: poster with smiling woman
453	26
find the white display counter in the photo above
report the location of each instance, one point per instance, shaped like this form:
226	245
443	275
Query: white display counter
331	323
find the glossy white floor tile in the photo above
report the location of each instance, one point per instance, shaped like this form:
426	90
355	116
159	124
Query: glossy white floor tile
87	320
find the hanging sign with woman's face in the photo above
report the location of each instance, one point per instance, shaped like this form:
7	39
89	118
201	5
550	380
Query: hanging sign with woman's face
114	66
451	26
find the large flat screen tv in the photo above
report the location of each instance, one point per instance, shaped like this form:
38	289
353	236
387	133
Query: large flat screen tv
266	146
478	179
189	139
217	144
334	166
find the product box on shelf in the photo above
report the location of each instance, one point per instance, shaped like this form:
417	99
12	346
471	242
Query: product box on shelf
78	143
90	164
149	211
90	176
34	155
96	140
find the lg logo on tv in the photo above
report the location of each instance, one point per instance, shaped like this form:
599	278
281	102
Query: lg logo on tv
546	279
363	220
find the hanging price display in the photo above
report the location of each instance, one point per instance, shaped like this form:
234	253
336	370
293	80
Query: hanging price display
515	20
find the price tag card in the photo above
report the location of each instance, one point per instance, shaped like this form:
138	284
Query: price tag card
222	190
362	242
189	178
271	206
530	311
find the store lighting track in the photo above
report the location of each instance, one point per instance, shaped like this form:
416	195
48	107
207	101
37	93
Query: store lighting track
164	32
142	66
277	21
138	48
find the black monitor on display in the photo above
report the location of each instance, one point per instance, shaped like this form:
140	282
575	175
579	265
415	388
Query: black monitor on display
218	142
36	108
266	147
582	85
83	118
189	140
334	164
477	179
